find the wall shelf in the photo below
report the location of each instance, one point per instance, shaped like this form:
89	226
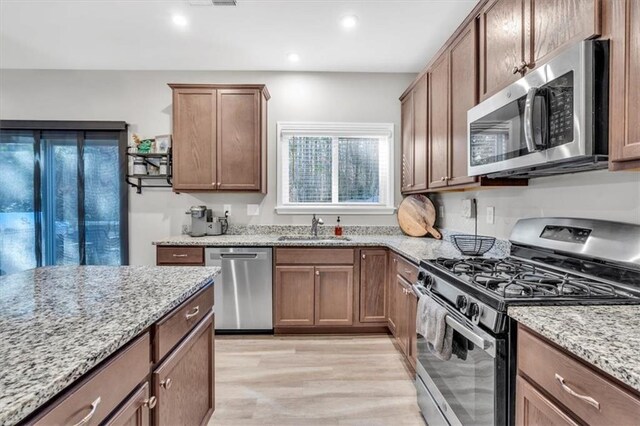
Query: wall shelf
138	180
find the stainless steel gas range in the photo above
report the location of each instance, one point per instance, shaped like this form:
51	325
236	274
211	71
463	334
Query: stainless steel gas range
552	261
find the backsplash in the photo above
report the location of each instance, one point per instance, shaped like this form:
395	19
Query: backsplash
306	230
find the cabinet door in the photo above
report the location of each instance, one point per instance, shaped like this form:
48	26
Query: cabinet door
194	139
501	44
401	314
420	139
533	408
391	291
294	295
184	383
412	341
464	96
373	279
239	140
407	143
439	122
135	410
334	295
552	25
624	133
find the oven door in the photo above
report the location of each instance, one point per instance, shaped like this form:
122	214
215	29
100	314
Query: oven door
469	389
543	117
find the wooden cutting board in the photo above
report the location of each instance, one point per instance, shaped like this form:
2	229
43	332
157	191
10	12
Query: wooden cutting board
416	216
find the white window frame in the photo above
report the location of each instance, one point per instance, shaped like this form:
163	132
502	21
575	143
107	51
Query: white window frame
334	130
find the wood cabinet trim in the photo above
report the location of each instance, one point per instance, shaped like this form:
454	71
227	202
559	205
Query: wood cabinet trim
134	407
528	399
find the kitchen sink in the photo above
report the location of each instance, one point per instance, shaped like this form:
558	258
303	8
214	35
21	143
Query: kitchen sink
312	238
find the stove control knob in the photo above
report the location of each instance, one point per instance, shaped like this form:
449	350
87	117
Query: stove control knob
462	302
474	311
421	276
428	281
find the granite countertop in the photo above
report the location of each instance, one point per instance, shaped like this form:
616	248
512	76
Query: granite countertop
606	336
414	249
56	323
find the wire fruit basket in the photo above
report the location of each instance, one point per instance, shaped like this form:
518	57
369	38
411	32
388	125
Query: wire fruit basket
473	245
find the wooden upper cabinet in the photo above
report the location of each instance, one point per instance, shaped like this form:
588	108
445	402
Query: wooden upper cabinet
294	295
464	96
439	122
239	140
420	137
333	295
501	44
219	137
373	283
406	173
551	25
623	19
194	133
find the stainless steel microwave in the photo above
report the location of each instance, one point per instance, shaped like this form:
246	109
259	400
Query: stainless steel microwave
553	120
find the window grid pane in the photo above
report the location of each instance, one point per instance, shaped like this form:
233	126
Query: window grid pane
310	169
359	170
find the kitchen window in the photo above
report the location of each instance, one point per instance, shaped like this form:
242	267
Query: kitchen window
342	168
63	200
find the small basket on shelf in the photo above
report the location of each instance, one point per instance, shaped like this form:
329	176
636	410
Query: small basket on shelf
473	245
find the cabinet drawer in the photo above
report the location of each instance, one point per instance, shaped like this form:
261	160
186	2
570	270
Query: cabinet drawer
174	326
319	256
99	394
407	270
184	382
180	256
546	366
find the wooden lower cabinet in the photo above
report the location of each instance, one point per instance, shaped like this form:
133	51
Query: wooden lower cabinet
334	295
373	288
533	408
135	410
392	316
184	382
294	296
404	303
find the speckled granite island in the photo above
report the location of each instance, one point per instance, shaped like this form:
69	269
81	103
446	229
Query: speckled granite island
607	337
58	323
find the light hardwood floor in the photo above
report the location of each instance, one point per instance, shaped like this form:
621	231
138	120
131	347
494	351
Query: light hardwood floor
312	380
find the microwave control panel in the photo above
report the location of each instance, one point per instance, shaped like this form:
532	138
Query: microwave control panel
560	103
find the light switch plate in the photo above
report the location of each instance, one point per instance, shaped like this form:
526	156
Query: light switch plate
253	209
491	215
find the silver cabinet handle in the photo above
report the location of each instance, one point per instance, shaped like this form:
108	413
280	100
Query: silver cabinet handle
407	271
94	407
317	272
364	256
193	313
150	403
571	392
180	255
166	383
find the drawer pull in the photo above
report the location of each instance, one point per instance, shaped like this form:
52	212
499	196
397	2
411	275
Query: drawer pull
94	407
180	255
166	383
151	402
407	271
571	392
193	313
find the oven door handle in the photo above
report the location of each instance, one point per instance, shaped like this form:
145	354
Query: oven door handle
456	325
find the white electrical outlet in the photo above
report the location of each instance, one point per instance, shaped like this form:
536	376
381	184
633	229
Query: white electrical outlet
227	208
491	215
253	209
466	208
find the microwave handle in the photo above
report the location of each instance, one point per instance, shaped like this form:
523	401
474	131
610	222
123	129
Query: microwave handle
528	119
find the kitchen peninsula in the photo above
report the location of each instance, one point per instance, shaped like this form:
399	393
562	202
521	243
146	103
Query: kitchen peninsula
101	341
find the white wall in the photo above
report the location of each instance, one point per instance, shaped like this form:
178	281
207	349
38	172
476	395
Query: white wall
594	195
143	99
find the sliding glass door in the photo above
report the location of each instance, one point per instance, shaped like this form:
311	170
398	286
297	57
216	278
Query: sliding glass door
63	199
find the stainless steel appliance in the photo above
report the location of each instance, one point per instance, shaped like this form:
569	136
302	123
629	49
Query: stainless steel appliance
198	221
552	261
551	121
243	292
217	225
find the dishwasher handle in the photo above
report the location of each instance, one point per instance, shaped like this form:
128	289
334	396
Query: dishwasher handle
238	256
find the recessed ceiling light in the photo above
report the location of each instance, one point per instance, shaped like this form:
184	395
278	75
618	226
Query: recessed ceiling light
349	21
293	57
180	20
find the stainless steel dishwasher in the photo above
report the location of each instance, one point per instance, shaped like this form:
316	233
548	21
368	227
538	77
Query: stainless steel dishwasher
243	293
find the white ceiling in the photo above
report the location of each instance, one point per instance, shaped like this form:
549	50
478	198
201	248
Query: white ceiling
391	35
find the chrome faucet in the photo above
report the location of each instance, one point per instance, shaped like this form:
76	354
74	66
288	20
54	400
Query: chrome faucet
314	225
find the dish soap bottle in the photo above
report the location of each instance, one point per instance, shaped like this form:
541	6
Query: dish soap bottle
338	229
